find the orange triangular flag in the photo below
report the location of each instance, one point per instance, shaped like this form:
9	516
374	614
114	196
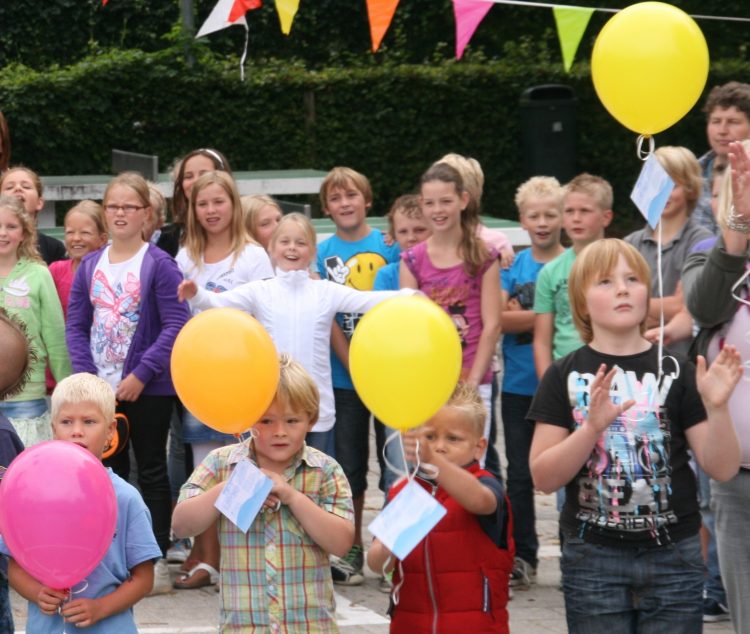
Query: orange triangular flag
380	13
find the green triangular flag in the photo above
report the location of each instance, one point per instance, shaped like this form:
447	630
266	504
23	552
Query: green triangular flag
571	24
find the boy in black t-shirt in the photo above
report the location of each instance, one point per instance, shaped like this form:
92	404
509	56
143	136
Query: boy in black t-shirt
613	424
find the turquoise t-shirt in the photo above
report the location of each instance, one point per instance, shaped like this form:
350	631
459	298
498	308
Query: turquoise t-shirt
354	264
551	296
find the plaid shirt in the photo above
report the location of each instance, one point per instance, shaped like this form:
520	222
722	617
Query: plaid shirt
276	578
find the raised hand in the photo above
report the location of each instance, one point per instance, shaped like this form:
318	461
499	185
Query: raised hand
602	411
186	290
716	384
740	162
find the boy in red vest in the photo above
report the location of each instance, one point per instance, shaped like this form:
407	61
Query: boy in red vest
456	579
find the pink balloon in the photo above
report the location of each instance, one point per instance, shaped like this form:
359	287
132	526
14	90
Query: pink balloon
58	512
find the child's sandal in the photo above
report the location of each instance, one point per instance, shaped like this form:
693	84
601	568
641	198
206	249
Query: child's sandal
193	579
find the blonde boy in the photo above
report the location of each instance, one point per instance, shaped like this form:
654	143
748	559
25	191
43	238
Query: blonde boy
471	549
276	577
352	256
83	412
587	212
539	202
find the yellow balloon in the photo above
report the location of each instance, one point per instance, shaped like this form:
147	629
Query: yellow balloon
649	66
225	369
405	360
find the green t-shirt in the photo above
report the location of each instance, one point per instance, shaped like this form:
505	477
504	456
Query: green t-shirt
551	296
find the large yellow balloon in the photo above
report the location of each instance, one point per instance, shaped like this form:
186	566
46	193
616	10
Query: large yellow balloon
225	369
649	66
405	360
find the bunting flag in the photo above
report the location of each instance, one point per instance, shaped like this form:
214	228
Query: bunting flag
286	9
380	13
571	25
228	13
469	13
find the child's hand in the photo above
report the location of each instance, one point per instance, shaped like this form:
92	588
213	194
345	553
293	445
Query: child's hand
82	612
281	490
414	440
506	258
130	388
716	384
186	290
388	239
602	411
49	600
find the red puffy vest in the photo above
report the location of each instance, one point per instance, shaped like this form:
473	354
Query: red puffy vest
456	578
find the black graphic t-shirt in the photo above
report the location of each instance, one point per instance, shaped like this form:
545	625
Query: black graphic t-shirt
637	488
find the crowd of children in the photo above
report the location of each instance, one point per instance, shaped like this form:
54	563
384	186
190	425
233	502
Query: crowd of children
591	407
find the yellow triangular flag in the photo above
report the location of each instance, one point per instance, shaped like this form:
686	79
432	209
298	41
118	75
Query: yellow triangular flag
286	9
571	24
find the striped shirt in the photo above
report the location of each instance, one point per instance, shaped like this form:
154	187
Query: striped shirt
276	578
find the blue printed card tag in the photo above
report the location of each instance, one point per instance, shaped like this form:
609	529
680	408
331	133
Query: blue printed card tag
407	519
652	190
244	494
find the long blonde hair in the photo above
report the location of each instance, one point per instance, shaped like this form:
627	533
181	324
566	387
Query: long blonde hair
472	248
196	239
27	248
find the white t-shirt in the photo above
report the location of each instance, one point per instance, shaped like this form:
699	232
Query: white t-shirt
115	295
252	264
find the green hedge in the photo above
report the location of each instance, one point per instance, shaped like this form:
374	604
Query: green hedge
386	121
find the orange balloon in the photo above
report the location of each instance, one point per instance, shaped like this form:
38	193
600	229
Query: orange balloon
225	369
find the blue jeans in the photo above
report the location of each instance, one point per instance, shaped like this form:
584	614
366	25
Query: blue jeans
24	409
324	441
395	457
6	614
633	591
714	588
518	435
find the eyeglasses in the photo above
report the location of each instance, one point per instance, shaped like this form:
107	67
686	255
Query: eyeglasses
126	209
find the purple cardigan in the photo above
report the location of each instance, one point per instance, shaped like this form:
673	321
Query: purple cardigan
161	318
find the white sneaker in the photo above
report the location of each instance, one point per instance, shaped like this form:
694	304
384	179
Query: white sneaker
179	551
162	580
523	575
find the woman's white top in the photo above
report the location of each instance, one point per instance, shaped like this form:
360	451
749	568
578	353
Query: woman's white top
297	311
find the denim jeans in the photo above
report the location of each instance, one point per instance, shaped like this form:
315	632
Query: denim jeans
149	418
324	441
24	409
394	456
633	591
6	613
518	435
714	587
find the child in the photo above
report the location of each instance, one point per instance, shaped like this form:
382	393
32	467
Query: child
539	202
85	231
262	216
407	227
152	228
587	212
219	256
276	577
194	165
469	553
123	318
16	351
25	184
352	256
83	412
455	269
296	310
28	293
679	233
615	429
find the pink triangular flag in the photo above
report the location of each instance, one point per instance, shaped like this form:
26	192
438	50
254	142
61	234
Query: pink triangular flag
469	13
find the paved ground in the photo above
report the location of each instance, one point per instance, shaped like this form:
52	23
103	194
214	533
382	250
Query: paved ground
362	609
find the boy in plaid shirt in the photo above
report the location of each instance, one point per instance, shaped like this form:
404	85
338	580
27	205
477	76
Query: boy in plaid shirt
276	577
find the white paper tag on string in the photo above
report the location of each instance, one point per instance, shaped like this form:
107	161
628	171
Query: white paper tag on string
244	494
652	190
407	519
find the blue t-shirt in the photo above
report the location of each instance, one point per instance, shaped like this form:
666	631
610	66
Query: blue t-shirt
519	374
387	278
354	264
133	543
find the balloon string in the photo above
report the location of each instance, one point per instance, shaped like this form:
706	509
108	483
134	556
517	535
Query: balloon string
400	470
660	283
